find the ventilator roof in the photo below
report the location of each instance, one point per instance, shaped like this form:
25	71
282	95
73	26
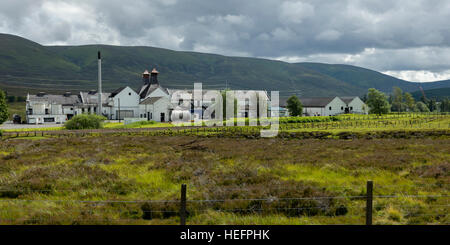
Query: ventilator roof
316	101
348	99
55	99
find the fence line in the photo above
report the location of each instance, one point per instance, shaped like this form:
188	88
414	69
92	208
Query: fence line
317	210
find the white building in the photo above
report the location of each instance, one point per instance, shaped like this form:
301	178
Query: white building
331	106
324	106
47	108
153	102
355	105
51	108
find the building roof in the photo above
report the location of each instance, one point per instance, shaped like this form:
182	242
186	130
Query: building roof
117	91
92	98
56	99
348	99
316	101
150	100
147	89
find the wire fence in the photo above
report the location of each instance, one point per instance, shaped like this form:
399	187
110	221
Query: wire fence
346	209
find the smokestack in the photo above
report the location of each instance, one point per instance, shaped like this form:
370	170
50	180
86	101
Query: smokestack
100	109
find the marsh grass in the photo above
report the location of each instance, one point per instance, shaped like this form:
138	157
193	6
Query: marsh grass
271	172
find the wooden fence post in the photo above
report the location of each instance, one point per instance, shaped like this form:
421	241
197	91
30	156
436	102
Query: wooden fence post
183	205
369	202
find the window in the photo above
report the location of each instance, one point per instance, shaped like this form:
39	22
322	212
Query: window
330	108
129	94
351	107
342	108
46	111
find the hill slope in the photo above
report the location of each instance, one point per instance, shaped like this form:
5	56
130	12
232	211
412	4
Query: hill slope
26	66
439	94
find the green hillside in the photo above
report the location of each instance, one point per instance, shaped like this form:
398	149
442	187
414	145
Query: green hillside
26	66
438	94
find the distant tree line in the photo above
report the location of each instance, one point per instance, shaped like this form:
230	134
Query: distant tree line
14	98
379	103
400	101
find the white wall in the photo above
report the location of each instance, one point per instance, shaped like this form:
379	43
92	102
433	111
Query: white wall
160	106
129	101
358	106
337	107
55	112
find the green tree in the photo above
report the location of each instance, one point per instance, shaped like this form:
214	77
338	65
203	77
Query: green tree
397	100
432	104
294	106
409	101
445	105
3	108
421	107
377	102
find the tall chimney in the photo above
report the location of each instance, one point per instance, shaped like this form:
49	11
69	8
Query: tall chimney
99	109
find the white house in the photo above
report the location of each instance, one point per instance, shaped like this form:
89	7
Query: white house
355	105
331	106
323	106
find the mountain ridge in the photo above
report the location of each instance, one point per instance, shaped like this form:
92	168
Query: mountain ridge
27	66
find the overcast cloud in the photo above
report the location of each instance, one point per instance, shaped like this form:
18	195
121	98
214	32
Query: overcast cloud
408	39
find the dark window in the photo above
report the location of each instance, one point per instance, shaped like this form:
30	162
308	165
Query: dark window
351	107
330	108
342	108
129	94
47	112
30	111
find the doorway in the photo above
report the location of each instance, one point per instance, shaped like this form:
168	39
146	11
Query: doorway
162	117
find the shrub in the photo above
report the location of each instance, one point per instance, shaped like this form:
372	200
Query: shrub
3	108
85	121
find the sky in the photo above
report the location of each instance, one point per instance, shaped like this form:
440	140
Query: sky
407	39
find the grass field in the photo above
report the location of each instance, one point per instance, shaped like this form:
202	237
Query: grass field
136	180
16	108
